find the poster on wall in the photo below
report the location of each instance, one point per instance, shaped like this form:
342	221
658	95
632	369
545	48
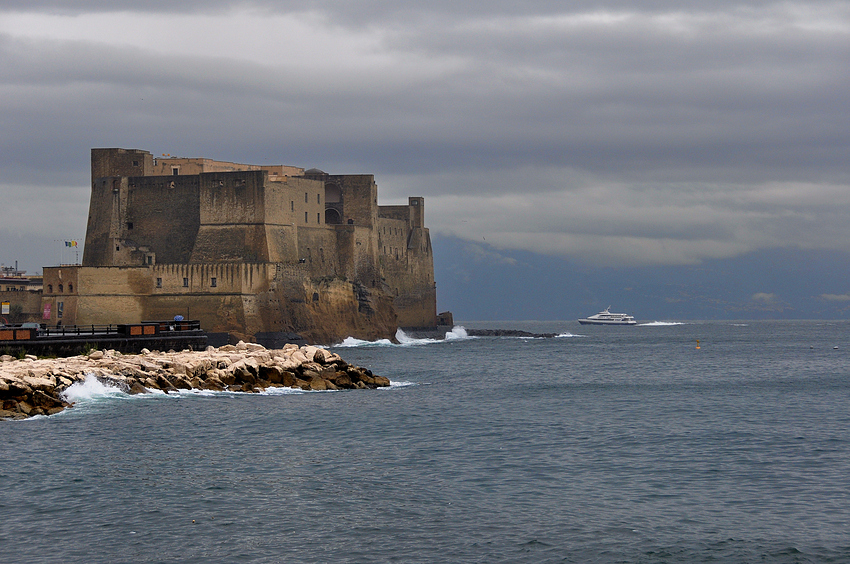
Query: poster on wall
46	311
5	308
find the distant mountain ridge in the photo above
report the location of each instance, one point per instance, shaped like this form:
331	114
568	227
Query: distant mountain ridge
477	281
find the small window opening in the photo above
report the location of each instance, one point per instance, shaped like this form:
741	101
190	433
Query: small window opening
305	217
135	163
315	296
117	248
213	282
61	288
175	171
305	198
70	287
159	282
318	198
129	225
292	205
50	288
185	282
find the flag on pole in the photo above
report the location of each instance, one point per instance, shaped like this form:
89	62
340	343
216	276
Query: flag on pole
70	243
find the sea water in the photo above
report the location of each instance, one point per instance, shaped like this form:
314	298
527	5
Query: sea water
664	442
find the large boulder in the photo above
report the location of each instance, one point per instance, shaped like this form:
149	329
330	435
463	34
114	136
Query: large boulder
321	356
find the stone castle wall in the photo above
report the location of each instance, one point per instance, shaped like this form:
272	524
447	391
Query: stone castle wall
248	250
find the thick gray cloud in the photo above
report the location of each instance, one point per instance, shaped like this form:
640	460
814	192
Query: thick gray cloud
628	132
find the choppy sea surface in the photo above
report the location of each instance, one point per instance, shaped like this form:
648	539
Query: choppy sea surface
605	444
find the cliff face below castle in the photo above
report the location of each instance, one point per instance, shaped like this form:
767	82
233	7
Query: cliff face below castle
333	310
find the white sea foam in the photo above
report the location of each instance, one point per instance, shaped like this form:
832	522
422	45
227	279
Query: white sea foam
398	384
352	342
407	341
90	388
271	391
567	335
458	332
660	324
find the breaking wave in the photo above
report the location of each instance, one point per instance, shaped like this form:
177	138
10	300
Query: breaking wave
89	389
352	342
457	333
567	335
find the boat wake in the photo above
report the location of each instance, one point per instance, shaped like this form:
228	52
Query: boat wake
566	335
660	324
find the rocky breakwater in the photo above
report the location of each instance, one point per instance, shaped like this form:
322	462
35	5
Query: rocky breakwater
32	386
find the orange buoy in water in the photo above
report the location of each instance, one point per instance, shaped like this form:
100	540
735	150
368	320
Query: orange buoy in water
697	343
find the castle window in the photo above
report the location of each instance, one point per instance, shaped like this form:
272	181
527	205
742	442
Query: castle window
318	198
175	171
117	248
305	198
213	282
185	282
159	282
61	289
315	296
319	218
305	217
135	163
50	288
129	225
70	288
149	259
291	205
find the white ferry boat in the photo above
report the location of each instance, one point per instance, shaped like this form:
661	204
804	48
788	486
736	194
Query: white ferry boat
607	318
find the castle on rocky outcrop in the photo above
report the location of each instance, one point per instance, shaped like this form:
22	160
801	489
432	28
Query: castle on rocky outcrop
262	252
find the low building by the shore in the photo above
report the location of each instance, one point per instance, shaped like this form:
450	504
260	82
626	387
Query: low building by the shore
20	296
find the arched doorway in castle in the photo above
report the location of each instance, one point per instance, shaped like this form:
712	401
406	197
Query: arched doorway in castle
332	217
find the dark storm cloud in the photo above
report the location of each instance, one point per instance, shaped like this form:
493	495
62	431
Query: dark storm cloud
647	131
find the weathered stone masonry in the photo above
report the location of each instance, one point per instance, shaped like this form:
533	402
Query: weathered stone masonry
251	251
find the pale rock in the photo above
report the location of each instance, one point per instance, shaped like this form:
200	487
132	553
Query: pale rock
241	346
253	347
43	384
309	351
262	357
95	355
289	364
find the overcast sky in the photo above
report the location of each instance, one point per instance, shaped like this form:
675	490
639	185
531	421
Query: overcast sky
634	132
